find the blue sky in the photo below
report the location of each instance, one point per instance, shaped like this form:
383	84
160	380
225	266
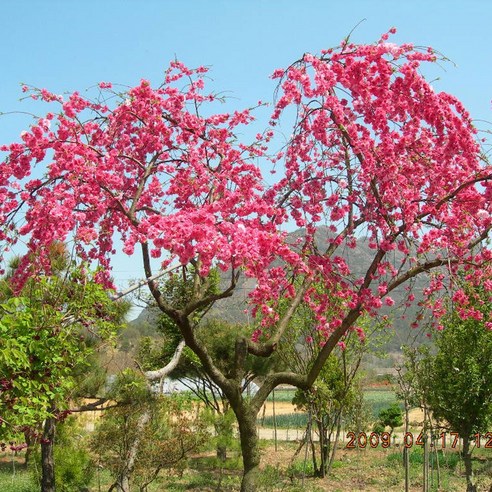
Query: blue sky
67	45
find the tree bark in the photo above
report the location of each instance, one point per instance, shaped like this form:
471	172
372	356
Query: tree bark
30	442
246	418
333	445
221	430
47	456
470	486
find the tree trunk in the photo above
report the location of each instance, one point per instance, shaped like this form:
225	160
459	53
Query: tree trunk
406	457
224	431
470	486
246	419
323	448
30	443
47	456
426	461
220	430
333	445
221	452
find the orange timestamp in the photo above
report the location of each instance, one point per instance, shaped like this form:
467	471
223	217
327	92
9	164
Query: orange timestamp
442	440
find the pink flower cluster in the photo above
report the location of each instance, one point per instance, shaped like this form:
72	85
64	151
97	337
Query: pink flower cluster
376	155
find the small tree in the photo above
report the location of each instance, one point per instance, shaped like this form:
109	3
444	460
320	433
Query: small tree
144	434
49	334
329	403
457	385
336	397
218	337
391	417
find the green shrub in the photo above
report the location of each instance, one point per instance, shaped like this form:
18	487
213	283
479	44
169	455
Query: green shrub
270	476
74	468
379	399
300	468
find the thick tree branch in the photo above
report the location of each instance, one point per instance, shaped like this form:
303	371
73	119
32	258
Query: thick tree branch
169	367
199	349
153	287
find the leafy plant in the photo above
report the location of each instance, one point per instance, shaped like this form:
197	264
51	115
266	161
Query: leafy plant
391	417
145	434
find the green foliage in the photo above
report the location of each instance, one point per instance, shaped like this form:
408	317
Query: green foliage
269	477
358	414
336	397
446	459
20	482
129	386
74	468
286	420
391	417
178	290
379	399
463	396
300	468
171	432
455	382
378	428
47	339
330	388
223	424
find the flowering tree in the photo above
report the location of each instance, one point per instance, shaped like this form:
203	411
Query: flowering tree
375	152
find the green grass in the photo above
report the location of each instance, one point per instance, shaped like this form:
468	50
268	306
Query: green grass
20	481
282	395
378	399
446	459
286	421
371	468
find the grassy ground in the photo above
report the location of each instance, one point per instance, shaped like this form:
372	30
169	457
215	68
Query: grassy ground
371	470
380	398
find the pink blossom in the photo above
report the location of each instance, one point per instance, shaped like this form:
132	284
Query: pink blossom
389	301
376	156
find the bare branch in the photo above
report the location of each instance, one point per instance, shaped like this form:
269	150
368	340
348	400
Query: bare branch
169	367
